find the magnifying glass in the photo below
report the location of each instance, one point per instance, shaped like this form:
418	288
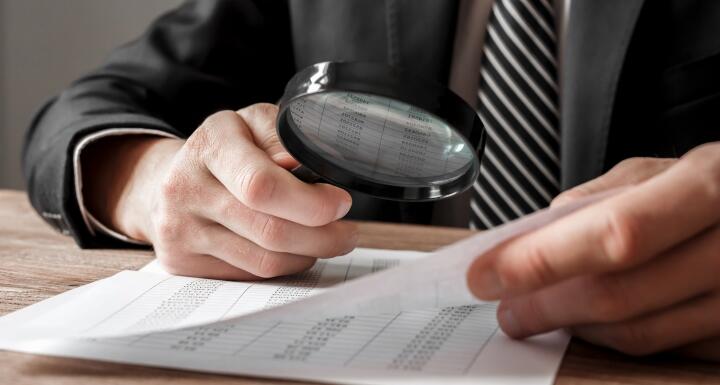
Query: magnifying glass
380	130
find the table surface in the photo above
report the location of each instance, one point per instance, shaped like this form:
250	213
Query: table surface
37	263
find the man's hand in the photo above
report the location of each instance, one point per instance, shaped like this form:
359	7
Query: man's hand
221	204
638	272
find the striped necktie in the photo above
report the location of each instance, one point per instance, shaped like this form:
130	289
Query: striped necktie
518	103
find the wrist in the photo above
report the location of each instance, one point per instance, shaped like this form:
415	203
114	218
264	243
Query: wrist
132	212
124	172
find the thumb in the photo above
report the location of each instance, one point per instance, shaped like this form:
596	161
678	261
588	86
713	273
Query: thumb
281	157
261	119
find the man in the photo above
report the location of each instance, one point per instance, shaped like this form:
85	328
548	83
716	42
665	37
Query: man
148	150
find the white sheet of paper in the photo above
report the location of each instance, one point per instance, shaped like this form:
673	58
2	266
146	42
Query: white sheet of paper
452	345
415	322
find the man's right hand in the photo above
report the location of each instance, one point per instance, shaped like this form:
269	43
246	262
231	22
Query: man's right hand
221	204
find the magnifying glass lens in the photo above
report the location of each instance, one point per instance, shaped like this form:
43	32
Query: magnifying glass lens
380	139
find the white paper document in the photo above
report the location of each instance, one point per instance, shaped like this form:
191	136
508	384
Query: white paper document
454	345
370	317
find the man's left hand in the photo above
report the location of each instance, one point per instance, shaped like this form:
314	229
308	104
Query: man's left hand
638	272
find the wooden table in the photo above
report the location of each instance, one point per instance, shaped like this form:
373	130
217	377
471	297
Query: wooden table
36	263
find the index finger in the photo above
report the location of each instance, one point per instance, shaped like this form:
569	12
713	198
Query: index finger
617	233
260	184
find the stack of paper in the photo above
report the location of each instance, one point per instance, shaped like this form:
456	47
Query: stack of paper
409	319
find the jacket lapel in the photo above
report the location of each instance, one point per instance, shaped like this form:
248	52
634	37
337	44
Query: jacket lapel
597	39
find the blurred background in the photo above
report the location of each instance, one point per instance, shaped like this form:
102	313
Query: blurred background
46	44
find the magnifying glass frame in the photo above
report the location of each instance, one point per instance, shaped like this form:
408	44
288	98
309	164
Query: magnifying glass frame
390	82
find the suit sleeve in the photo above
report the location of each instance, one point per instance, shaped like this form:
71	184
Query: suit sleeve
205	56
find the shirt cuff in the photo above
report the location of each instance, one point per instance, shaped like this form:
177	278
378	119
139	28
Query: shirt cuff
91	222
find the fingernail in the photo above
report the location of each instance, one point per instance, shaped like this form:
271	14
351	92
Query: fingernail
343	208
488	286
284	159
509	322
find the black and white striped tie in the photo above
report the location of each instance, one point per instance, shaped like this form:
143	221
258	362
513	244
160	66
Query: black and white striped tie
518	102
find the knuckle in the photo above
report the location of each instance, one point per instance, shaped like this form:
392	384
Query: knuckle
231	208
535	270
206	135
220	121
209	136
573	193
270	232
259	110
620	239
268	107
256	186
636	170
632	163
608	302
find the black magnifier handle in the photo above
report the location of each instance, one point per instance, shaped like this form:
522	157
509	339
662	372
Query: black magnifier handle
306	175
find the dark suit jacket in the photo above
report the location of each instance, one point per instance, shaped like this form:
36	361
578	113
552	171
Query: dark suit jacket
640	78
